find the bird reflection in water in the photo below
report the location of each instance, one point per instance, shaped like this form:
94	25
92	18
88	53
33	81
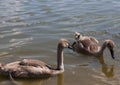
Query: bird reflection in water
106	69
5	81
60	79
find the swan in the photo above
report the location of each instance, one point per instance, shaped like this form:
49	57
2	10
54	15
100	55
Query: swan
90	46
31	68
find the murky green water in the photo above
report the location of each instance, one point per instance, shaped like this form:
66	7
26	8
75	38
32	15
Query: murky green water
32	28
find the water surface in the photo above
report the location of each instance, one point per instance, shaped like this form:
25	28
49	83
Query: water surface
32	28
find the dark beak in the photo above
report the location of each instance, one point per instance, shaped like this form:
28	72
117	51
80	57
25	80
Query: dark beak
112	53
70	47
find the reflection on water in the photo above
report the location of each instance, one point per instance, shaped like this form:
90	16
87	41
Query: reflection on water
107	70
30	82
60	79
32	28
5	81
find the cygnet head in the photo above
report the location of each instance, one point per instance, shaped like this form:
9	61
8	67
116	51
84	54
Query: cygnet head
64	43
77	35
110	44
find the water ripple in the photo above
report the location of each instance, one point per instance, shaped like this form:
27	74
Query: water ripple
19	42
33	27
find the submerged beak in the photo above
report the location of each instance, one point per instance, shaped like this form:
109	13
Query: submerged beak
70	47
112	53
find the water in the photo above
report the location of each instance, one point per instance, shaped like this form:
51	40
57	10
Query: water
32	28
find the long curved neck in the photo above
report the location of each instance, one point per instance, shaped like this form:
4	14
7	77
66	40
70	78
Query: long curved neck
102	48
60	65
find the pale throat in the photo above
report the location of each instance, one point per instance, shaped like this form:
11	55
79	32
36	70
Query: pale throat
60	65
